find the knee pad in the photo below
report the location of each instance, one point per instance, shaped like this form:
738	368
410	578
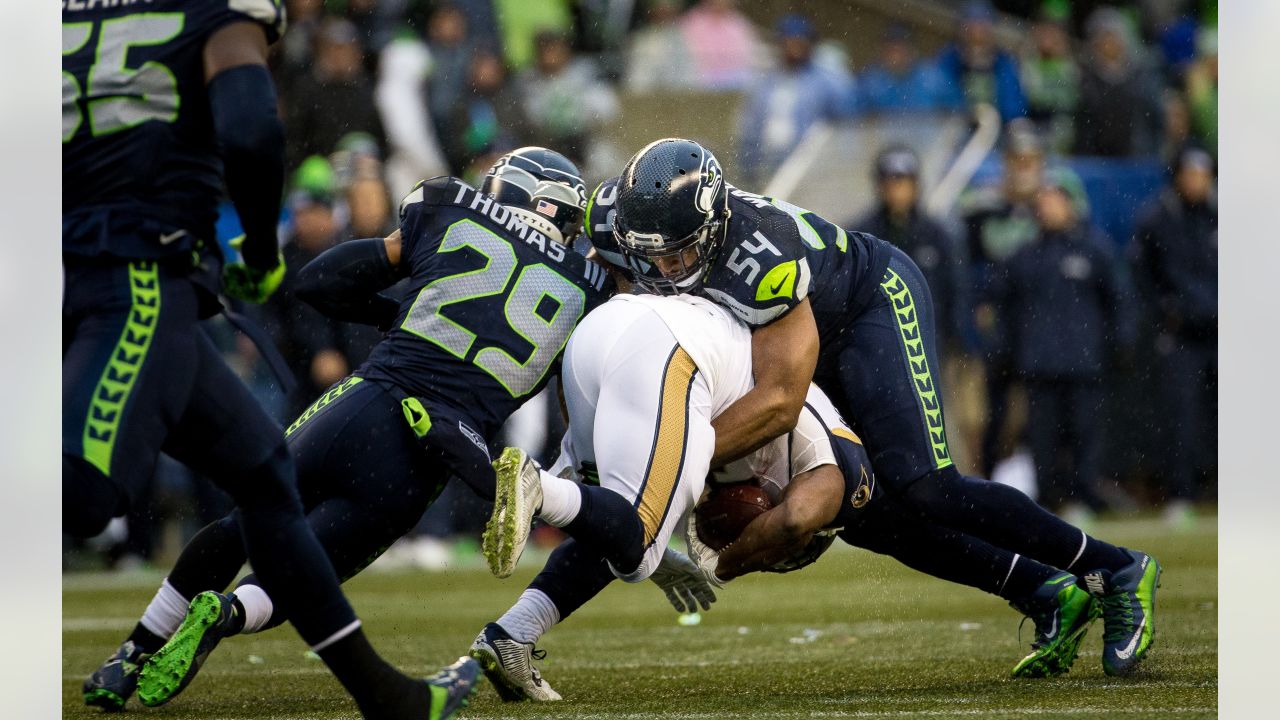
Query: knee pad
89	499
936	491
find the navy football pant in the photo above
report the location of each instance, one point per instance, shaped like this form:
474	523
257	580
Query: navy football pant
365	477
883	378
139	376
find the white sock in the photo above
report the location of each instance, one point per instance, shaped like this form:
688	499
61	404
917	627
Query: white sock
166	611
561	500
531	617
257	607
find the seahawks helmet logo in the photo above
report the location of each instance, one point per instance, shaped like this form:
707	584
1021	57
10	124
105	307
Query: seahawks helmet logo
713	178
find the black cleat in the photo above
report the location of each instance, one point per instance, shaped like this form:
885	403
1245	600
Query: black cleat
111	685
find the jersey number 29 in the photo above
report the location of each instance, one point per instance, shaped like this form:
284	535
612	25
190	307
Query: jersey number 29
533	284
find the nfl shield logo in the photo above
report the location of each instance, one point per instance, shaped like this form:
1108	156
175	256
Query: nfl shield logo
547	208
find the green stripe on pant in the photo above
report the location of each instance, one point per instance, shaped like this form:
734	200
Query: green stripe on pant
106	408
904	310
322	402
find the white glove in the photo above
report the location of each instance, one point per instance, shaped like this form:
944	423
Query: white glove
703	556
683	583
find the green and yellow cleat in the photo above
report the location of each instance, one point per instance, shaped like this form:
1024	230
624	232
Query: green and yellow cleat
210	618
517	498
1062	613
453	688
1128	599
111	685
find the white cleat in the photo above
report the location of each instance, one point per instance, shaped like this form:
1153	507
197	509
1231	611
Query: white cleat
508	663
517	497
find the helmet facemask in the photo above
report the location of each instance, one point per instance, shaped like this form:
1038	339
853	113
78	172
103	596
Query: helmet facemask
643	250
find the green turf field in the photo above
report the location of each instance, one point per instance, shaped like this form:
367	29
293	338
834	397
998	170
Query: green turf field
854	636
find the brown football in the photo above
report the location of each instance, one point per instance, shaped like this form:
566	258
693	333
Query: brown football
727	511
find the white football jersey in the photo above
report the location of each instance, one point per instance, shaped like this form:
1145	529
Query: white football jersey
718	342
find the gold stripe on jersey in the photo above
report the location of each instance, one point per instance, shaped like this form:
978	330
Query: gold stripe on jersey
846	434
666	460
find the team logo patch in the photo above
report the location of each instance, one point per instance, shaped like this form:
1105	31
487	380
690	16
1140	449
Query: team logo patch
862	494
547	208
474	437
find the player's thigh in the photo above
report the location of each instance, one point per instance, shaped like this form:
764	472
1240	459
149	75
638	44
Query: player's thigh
127	368
226	434
653	439
884	379
363	472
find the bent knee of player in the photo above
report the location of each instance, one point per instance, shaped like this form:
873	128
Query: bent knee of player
90	499
646	562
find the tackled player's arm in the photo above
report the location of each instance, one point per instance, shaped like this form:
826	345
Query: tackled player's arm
810	503
345	281
250	135
784	354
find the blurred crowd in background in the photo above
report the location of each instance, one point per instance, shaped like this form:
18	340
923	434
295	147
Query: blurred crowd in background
1081	365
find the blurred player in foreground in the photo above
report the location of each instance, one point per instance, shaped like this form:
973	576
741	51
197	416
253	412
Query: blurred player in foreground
493	295
160	102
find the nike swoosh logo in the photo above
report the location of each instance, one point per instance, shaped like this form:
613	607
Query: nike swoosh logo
1053	631
1127	652
166	238
774	290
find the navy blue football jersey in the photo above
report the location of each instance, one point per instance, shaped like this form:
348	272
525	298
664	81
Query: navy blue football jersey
141	174
774	256
490	305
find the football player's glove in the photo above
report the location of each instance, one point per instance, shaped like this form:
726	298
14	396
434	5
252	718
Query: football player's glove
249	283
683	582
701	554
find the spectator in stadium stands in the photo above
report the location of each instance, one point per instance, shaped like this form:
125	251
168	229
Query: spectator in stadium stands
413	145
451	53
320	351
999	220
1067	308
335	98
357	172
1051	80
725	45
1175	260
786	102
901	82
490	118
296	50
1120	112
520	22
977	70
1202	90
658	56
899	219
564	98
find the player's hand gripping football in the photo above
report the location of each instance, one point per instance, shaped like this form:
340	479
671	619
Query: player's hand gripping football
683	583
252	282
701	554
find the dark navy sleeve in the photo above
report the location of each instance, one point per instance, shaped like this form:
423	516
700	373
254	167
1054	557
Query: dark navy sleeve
598	223
416	209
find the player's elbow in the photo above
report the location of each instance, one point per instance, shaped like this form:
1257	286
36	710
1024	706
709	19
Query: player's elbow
242	103
256	135
782	410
